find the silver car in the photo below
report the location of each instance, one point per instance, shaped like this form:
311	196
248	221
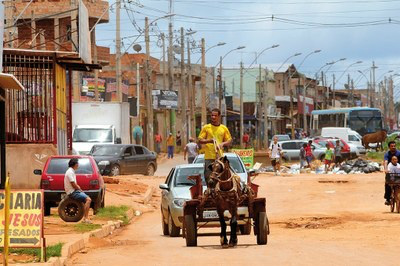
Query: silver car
236	163
291	149
175	191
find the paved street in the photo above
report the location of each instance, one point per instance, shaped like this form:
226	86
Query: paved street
315	219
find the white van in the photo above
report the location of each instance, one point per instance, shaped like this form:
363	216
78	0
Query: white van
351	137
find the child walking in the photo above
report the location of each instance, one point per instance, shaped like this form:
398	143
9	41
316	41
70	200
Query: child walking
328	158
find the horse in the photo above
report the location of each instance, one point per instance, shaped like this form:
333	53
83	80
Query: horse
227	195
377	137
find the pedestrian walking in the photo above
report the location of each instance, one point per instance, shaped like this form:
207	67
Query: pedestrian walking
309	155
74	191
138	134
178	139
275	154
191	149
328	157
303	155
158	140
338	154
170	146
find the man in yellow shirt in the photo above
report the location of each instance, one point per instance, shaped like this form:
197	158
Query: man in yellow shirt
209	133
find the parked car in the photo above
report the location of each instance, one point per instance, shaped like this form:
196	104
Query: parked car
281	137
236	164
291	149
120	159
88	178
176	190
351	137
332	143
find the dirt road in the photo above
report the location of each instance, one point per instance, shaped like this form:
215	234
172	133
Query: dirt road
315	219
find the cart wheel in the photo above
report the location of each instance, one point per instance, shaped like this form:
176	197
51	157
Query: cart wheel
191	231
245	229
262	235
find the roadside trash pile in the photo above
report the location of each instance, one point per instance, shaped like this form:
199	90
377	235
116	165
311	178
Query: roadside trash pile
357	166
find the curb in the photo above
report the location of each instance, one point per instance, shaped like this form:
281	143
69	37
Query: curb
73	247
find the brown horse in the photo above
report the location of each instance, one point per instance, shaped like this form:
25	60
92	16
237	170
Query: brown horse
378	137
227	196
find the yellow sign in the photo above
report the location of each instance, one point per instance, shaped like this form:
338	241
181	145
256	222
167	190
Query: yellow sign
25	218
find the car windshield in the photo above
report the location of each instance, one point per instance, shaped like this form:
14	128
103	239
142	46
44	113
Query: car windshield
108	150
92	135
60	166
181	176
234	161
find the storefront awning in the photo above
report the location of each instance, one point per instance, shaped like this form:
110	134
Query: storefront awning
9	82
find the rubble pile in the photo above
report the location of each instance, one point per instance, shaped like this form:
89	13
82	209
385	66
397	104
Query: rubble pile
359	166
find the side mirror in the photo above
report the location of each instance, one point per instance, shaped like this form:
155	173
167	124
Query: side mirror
37	172
118	141
164	186
251	172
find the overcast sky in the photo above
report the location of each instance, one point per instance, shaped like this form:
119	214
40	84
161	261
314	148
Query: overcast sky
359	30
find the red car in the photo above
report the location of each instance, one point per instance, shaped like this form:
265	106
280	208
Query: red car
332	143
88	178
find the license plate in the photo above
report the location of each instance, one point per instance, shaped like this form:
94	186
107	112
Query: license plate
210	214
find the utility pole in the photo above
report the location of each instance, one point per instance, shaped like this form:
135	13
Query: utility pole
323	104
183	90
192	106
352	94
333	91
203	83
265	89
118	50
149	102
373	84
391	103
348	90
241	106
305	125
259	109
288	81
220	84
96	72
164	62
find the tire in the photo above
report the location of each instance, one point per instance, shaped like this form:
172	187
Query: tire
191	231
70	210
245	229
97	204
115	170
173	230
47	209
164	225
150	170
103	201
262	236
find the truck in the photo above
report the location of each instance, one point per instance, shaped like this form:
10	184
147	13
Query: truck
99	123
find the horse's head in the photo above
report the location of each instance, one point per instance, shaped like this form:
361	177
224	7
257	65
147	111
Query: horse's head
220	169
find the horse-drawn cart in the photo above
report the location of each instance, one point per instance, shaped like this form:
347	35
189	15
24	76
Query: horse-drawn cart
201	212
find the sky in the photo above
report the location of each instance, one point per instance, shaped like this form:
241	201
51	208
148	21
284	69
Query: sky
358	30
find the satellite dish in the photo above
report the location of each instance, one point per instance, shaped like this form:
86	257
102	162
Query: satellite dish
137	48
176	49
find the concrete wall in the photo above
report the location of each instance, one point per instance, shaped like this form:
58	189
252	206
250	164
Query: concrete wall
22	159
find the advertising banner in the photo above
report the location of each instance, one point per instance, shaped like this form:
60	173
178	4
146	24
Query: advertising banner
26	218
247	156
165	99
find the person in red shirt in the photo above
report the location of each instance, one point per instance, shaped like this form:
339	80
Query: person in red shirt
246	140
158	140
309	155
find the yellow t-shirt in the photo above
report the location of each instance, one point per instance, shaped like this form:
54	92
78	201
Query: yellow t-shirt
219	133
170	141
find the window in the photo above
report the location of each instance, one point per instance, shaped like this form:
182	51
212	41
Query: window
107	150
60	166
128	151
289	146
69	38
353	138
181	176
139	150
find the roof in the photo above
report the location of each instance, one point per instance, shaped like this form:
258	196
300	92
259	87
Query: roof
228	154
342	110
192	165
94	126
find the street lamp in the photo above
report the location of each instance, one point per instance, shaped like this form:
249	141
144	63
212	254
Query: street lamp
209	48
291	93
287	59
220	73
